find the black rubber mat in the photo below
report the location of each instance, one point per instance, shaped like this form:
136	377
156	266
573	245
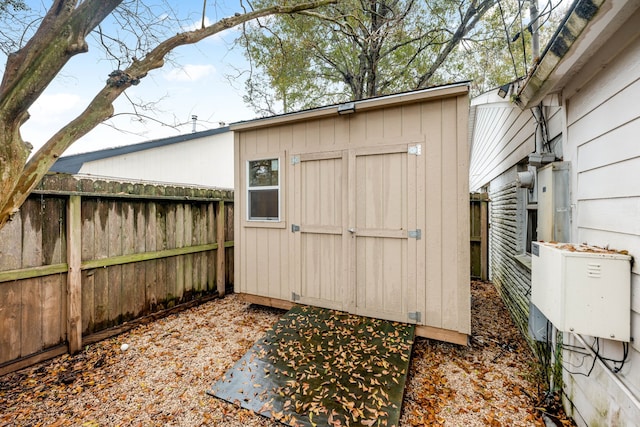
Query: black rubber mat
319	367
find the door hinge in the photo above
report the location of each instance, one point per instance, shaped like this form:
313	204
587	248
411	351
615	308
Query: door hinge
416	150
294	296
295	160
294	228
415	234
415	315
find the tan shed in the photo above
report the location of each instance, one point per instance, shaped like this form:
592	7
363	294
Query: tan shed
361	207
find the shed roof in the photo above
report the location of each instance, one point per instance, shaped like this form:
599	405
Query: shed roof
355	106
73	163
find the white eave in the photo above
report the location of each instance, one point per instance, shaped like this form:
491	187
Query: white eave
586	28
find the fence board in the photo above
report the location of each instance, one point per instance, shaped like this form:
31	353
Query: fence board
53	231
220	252
188	239
31	316
151	267
139	283
30	289
82	256
10	319
88	252
74	276
100	277
196	238
128	270
11	244
114	273
179	243
53	311
31	215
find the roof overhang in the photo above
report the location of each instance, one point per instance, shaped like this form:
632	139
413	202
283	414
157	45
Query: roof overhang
356	106
586	28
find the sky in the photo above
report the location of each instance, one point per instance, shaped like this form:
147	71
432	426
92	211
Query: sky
195	83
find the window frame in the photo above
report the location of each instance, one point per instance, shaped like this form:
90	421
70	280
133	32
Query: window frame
527	206
263	221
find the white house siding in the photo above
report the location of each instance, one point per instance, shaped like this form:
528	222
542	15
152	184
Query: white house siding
206	161
603	127
502	136
511	278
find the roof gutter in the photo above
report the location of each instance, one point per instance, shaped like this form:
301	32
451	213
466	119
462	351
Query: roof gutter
540	81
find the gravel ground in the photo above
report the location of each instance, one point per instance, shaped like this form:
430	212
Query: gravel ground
162	377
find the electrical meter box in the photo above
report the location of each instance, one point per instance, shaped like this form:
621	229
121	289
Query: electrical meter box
582	289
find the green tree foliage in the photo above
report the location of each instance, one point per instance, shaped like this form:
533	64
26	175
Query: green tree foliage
362	48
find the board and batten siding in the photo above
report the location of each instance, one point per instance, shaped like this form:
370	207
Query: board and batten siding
603	124
357	149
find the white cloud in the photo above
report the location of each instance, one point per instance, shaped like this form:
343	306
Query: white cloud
189	73
196	25
52	106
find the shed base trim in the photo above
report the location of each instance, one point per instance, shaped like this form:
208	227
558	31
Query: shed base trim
440	334
267	301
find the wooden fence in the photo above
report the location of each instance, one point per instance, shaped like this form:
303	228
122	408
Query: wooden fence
478	205
84	256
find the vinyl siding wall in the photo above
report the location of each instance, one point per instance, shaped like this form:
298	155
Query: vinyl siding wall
511	278
603	124
205	161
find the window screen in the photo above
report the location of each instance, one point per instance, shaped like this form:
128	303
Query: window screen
263	198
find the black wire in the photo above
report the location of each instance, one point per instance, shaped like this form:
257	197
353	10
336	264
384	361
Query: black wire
506	31
598	356
524	45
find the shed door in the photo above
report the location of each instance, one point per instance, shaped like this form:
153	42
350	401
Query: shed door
321	241
382	187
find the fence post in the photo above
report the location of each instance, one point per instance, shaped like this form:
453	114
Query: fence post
74	274
220	252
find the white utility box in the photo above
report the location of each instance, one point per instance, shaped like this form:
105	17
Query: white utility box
582	289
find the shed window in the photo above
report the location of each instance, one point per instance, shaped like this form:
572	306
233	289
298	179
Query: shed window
263	190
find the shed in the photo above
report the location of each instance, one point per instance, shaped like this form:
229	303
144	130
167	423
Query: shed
361	207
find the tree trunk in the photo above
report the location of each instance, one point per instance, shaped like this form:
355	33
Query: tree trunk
29	71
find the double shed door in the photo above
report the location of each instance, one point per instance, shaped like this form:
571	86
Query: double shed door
355	230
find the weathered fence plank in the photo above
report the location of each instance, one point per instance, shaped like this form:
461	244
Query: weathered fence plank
151	267
100	251
31	316
188	239
74	276
87	241
83	256
220	253
11	331
53	312
162	282
172	263
179	243
140	286
128	295
114	273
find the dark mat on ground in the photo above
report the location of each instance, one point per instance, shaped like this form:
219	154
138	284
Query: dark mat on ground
319	367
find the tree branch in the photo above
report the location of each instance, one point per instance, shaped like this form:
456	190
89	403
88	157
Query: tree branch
101	107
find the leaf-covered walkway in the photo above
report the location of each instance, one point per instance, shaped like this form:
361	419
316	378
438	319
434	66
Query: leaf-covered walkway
163	377
320	367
